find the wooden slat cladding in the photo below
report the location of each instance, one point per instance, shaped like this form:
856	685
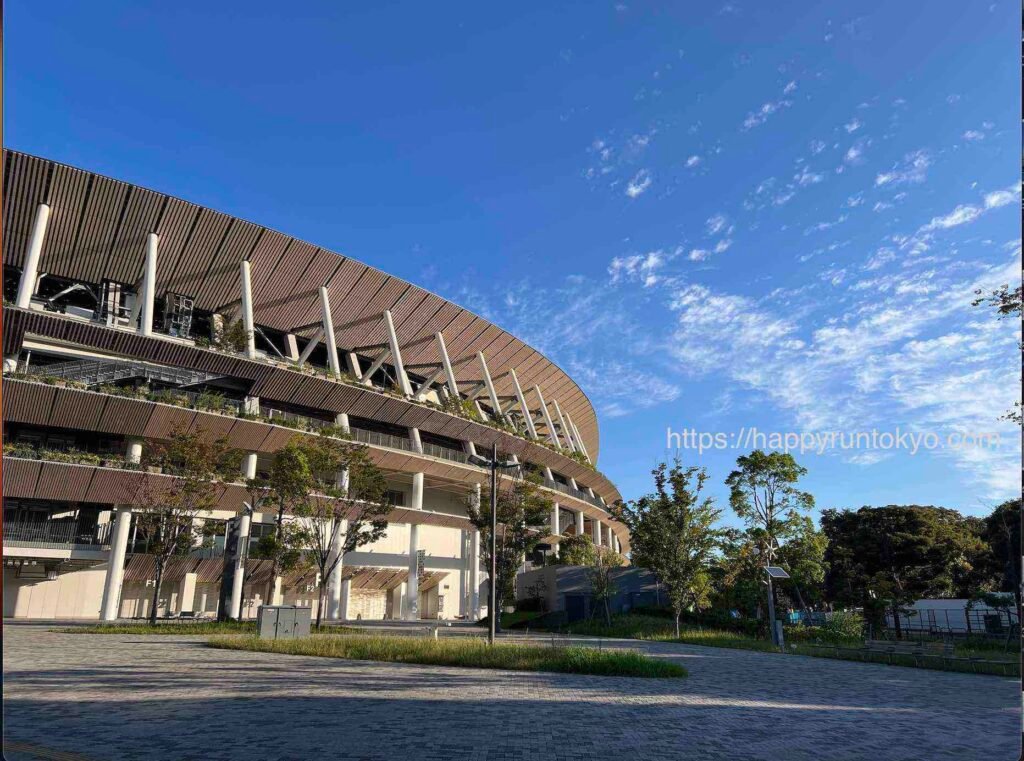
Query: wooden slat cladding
98	228
276	383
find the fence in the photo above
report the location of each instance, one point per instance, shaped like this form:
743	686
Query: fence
55	533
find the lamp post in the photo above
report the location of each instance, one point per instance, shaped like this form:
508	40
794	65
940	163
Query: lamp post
494	465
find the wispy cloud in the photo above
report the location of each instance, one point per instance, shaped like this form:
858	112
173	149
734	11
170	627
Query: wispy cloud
913	168
639	184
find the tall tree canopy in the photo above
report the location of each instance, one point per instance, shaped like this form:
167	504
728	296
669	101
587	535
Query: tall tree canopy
887	557
672	533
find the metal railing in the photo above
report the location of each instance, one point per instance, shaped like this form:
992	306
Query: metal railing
96	372
55	533
577	493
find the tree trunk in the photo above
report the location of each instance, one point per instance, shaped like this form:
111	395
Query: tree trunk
896	621
677	624
607	612
275	565
320	601
156	590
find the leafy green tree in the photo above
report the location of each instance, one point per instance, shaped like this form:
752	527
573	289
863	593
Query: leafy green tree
191	467
803	557
672	533
763	494
602	582
523	512
885	558
333	517
1008	302
576	550
1001	534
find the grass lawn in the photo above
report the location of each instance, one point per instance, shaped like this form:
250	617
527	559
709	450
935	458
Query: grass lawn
176	628
466	652
636	626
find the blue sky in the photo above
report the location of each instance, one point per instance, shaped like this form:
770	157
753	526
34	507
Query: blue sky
711	216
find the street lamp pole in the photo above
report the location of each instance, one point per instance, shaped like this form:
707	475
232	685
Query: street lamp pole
494	613
494	465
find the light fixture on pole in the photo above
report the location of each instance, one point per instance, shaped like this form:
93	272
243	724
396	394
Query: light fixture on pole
494	465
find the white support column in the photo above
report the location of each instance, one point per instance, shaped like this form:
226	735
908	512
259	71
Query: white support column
556	525
247	319
249	465
377	364
576	436
561	423
474	575
235	603
417	442
597	532
134	451
550	476
334	583
579	523
552	433
470	447
111	604
277	595
346	595
396	355
148	293
417	491
425	386
446	363
251	405
30	270
412	589
491	392
308	350
332	345
291	347
530	427
187	592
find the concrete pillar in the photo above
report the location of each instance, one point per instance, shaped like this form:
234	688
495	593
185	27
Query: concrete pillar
417	491
235	602
249	465
277	596
187	592
546	414
134	451
341	419
565	429
291	347
30	270
341	480
397	602
474	576
521	398
11	364
492	393
597	532
412	584
346	595
396	356
110	607
148	293
329	341
556	525
548	474
251	405
247	320
417	442
334	574
579	523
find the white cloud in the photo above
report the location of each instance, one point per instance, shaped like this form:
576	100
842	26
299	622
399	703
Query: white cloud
692	161
723	245
715	224
640	182
761	115
699	254
999	198
912	168
790	88
853	125
817	146
974	135
806	177
638	267
961	215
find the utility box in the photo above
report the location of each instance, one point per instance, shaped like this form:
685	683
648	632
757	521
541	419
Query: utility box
282	621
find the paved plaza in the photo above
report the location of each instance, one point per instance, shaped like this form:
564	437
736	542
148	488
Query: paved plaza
120	697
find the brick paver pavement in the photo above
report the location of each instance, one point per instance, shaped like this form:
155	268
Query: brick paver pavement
134	697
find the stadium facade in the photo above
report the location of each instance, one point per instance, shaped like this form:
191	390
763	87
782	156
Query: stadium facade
115	301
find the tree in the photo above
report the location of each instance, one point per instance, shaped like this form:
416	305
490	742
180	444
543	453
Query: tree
286	487
1007	303
576	550
672	535
803	557
522	512
336	519
885	558
763	493
192	465
602	583
1001	534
